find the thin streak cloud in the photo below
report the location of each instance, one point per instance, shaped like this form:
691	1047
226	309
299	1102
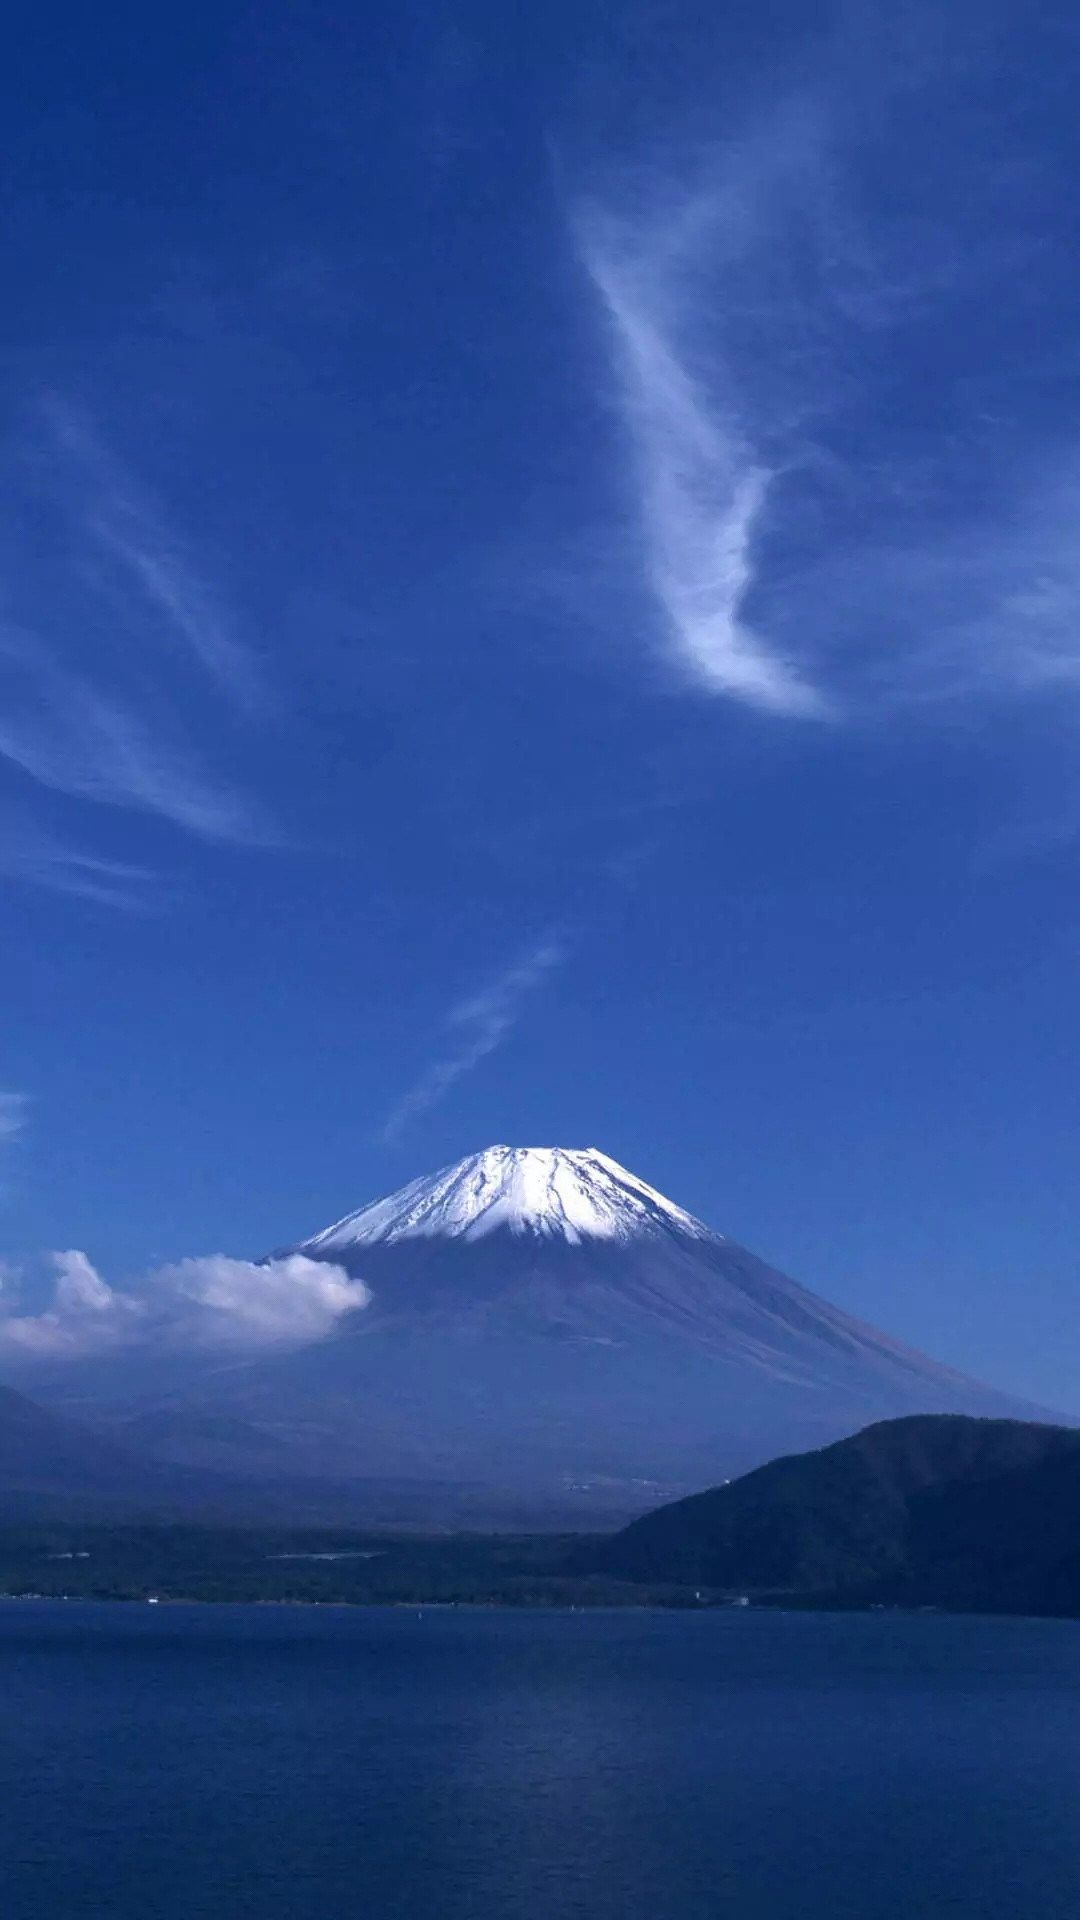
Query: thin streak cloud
29	853
482	1024
12	1115
117	515
110	643
69	735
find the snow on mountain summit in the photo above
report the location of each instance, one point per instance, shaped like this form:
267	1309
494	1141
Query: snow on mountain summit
556	1193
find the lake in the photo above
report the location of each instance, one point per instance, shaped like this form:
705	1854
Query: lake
203	1763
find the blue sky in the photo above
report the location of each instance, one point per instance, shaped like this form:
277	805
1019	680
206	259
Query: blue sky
540	603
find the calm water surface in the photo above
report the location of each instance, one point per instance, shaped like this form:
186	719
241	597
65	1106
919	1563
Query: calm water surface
179	1762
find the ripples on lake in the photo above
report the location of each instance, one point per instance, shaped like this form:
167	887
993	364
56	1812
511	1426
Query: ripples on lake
187	1763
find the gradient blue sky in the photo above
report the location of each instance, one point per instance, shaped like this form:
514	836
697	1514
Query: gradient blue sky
541	603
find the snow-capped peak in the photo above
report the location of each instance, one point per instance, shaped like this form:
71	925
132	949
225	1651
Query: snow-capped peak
550	1192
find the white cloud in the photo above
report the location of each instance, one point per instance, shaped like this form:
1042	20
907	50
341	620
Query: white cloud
218	1302
208	1304
12	1115
814	545
702	488
84	1317
482	1022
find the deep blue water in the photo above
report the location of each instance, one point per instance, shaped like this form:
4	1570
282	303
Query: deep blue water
287	1763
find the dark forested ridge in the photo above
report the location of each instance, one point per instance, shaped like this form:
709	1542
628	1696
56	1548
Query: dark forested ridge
931	1511
938	1510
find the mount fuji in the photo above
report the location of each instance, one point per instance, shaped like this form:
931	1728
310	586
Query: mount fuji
547	1337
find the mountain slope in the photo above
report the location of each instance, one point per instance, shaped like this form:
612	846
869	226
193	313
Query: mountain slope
53	1467
569	1244
52	1464
545	1329
930	1510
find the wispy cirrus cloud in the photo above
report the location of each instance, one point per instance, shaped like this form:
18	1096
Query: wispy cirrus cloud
208	1304
69	734
682	268
852	494
480	1025
13	1111
702	486
983	604
114	654
115	513
29	852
